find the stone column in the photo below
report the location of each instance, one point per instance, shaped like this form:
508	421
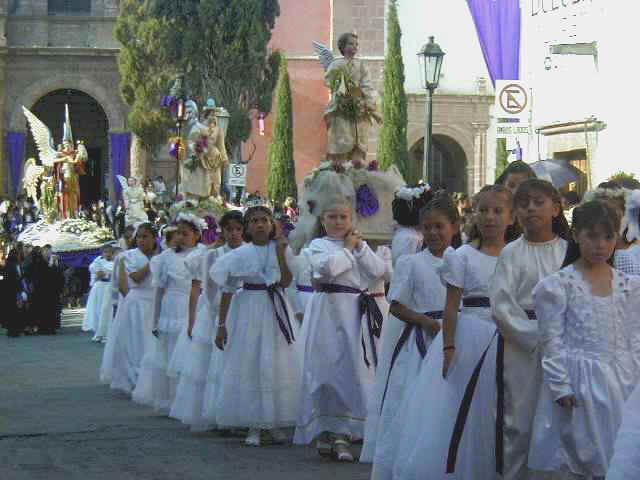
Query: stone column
479	155
140	158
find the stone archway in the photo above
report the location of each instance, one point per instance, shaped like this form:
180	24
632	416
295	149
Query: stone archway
449	164
89	123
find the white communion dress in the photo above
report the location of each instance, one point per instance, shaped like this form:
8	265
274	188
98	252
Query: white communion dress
415	285
340	349
96	295
625	463
591	349
171	282
422	430
188	406
133	336
521	265
259	384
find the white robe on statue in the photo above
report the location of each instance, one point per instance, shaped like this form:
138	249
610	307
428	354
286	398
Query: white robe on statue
521	265
337	383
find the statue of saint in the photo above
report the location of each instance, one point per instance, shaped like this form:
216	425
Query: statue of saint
205	155
352	106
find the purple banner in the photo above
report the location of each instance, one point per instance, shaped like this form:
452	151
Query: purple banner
120	143
16	142
498	26
78	259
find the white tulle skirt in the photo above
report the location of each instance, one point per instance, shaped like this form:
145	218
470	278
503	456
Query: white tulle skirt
418	442
391	331
625	463
91	320
188	406
259	385
155	387
133	339
106	367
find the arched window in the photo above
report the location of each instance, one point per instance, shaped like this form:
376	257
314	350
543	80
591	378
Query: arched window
69	7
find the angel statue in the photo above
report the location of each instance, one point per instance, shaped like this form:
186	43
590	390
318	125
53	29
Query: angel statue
205	155
134	197
66	162
352	107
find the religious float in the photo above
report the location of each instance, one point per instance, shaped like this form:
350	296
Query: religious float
345	172
54	187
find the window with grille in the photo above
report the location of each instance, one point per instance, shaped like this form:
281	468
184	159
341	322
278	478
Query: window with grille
69	7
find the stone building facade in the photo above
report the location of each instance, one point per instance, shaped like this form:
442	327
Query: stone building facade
55	52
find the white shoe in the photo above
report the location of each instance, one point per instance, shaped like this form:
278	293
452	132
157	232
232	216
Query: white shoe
253	438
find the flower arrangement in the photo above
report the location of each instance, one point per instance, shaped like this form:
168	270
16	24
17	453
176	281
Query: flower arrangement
76	226
350	99
99	235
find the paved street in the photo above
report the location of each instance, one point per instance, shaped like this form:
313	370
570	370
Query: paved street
58	422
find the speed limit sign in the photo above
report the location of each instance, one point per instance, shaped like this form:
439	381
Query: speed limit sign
237	175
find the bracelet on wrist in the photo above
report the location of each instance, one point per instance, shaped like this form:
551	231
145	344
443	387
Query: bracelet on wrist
449	347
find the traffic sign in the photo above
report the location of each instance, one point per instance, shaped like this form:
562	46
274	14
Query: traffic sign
237	175
513	109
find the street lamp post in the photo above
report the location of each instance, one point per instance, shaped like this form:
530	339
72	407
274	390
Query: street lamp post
178	91
430	58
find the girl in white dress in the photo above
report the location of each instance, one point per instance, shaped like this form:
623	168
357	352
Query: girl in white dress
340	352
133	336
421	440
417	299
521	265
625	463
188	406
590	350
407	240
100	270
109	302
259	384
171	281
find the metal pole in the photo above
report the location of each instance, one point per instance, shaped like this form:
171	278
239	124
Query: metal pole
428	111
179	125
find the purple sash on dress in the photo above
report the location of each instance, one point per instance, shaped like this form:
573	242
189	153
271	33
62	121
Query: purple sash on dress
367	305
274	292
304	288
422	347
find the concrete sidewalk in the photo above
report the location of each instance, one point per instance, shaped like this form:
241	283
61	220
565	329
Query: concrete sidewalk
58	422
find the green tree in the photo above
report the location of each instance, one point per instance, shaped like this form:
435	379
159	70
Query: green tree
627	180
145	70
222	47
393	148
502	156
281	181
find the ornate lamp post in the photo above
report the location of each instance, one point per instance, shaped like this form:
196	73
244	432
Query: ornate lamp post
180	116
430	58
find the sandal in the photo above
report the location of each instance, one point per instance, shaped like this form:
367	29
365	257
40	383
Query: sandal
342	452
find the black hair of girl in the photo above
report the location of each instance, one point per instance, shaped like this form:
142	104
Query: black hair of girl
231	216
512	232
517	167
444	204
586	217
343	39
148	226
559	225
407	212
251	211
193	228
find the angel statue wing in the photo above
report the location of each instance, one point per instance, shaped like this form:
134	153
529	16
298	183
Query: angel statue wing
324	54
42	137
32	173
123	183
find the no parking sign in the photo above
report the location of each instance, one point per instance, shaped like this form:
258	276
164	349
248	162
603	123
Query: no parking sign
237	175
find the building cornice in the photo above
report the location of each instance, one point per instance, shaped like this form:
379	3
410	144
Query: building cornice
59	19
448	98
61	51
